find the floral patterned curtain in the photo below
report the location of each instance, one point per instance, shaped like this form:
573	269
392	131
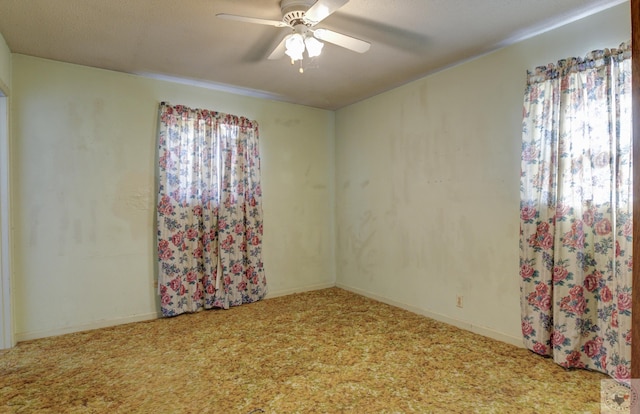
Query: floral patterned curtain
209	213
576	212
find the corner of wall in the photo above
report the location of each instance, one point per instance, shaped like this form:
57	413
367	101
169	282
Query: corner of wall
331	131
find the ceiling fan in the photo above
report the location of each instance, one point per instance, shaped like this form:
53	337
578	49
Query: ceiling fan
301	16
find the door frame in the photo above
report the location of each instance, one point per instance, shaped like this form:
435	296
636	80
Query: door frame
7	338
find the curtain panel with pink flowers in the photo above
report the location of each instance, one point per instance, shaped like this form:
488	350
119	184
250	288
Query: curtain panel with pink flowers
209	212
576	212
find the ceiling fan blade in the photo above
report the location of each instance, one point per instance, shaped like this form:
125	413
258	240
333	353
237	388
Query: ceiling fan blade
266	22
322	9
279	50
339	39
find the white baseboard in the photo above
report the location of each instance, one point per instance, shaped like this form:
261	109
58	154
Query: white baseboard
291	291
480	330
490	333
26	336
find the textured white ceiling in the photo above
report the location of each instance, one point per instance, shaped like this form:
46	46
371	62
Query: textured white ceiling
184	39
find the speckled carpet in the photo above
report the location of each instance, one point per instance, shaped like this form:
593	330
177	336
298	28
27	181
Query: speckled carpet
327	351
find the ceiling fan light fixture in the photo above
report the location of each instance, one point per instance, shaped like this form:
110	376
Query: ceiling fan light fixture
314	46
295	46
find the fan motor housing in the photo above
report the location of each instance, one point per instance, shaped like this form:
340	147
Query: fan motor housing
293	11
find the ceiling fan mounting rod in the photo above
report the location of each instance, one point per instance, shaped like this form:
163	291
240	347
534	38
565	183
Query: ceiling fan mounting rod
293	11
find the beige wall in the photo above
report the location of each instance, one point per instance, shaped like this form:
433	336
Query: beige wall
427	182
83	177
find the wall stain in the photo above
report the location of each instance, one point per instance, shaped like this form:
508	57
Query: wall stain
360	241
288	122
133	203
